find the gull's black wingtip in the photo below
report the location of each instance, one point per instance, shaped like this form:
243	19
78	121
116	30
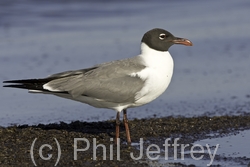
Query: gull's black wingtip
21	81
6	82
32	84
12	82
16	86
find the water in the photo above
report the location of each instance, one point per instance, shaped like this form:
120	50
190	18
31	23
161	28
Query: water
43	37
233	150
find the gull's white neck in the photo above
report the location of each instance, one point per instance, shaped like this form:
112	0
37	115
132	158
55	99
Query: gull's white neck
156	59
157	74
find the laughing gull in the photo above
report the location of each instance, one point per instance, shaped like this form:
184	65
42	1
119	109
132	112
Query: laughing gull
119	84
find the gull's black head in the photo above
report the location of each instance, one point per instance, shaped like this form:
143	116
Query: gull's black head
161	40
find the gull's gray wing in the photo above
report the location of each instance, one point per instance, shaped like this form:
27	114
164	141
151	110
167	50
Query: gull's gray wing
108	82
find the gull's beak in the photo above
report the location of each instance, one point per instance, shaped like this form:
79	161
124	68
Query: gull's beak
182	41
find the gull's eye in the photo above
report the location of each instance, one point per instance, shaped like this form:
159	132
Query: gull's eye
162	36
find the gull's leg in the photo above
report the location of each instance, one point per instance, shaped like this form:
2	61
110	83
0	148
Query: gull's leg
117	130
125	120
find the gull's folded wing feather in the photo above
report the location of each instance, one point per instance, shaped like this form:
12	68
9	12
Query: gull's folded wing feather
110	81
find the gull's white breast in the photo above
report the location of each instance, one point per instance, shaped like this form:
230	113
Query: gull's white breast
157	74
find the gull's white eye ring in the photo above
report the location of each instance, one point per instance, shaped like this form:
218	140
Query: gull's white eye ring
162	36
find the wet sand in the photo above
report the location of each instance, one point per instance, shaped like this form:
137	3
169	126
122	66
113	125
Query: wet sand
16	141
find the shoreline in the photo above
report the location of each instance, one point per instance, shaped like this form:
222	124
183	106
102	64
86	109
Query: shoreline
16	140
